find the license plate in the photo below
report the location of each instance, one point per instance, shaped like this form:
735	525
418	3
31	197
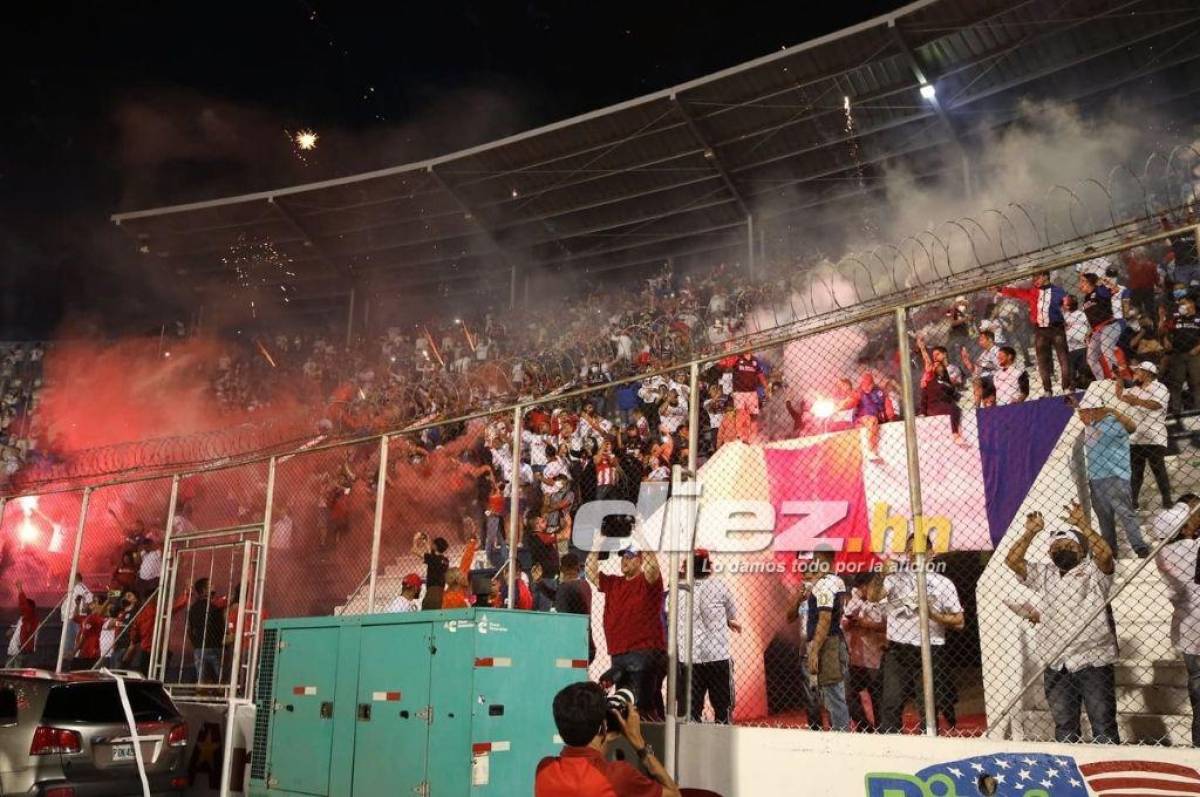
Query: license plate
122	752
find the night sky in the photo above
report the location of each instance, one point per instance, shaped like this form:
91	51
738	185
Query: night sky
125	105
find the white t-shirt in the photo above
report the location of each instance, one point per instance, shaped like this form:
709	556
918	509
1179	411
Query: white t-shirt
996	327
1068	601
537	446
1077	329
866	646
710	627
553	468
68	606
903	618
1151	424
108	637
151	566
1179	563
402	604
671	417
1008	384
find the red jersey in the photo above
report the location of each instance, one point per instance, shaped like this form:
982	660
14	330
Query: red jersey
584	772
747	375
89	636
455	599
28	621
632	614
141	632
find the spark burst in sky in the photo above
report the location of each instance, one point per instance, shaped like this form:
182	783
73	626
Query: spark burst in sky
306	140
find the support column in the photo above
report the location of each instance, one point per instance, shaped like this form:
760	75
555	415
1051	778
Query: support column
350	319
377	529
750	244
514	507
914	494
83	510
693	514
514	276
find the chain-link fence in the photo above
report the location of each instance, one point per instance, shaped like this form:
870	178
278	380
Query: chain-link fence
927	517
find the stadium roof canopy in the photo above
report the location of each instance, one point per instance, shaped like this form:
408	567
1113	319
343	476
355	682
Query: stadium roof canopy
677	172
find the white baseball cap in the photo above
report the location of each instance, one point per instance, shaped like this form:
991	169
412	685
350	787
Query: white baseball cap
1148	367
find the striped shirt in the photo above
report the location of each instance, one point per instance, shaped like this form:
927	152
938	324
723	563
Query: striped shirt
606	470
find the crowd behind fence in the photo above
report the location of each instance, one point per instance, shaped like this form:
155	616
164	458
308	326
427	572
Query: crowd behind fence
928	517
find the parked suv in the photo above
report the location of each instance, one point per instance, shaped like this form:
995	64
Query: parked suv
66	735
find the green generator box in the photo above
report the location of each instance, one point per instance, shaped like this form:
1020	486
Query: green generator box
441	704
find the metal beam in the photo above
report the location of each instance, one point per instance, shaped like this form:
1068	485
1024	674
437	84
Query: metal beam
292	221
710	154
469	213
923	80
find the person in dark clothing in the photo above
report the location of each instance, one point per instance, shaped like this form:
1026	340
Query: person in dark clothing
940	384
1184	363
574	596
206	631
1097	306
542	544
433	553
1044	300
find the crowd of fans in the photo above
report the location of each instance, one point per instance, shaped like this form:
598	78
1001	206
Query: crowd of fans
20	383
1130	319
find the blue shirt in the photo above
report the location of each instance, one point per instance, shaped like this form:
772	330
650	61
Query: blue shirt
870	404
627	396
1107	446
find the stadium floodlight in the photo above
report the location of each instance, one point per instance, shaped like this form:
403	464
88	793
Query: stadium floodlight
928	91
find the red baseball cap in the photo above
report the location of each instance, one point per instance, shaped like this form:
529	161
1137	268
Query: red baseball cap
412	580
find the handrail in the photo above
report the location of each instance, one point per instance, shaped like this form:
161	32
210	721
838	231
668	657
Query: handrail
357	588
46	619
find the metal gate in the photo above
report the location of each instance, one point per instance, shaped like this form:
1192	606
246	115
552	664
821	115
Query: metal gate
209	614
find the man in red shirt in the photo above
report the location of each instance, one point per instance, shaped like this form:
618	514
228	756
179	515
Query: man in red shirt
633	626
141	637
26	643
582	770
748	376
87	648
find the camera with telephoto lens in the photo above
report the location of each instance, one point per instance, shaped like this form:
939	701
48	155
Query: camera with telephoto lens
619	703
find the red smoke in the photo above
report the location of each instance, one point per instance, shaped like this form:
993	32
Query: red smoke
100	393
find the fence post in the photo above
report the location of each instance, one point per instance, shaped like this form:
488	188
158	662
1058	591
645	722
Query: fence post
514	506
260	580
62	639
380	489
914	494
168	532
693	455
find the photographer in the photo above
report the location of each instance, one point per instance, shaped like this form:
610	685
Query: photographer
581	712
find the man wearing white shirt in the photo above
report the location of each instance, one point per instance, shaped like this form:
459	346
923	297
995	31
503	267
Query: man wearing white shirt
556	465
150	568
1149	400
78	599
1179	564
714	617
536	442
1076	640
1078	333
406	601
902	659
673	413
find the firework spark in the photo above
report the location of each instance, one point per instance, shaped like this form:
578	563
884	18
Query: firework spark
306	140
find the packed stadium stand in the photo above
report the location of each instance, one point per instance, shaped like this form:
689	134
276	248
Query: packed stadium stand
484	344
